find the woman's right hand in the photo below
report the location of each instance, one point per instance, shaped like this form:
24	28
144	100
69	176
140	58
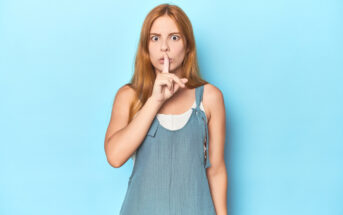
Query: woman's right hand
166	84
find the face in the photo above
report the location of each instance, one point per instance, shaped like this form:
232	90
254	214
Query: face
166	37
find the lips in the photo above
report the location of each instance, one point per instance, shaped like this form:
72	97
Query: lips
162	60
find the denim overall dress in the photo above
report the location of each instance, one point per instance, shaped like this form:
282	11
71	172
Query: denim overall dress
169	172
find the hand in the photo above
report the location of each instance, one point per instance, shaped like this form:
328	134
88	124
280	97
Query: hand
166	84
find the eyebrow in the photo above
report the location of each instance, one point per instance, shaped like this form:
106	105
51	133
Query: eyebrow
169	34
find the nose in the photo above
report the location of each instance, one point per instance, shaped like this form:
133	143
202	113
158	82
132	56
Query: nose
164	46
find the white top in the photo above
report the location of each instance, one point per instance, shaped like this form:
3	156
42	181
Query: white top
174	121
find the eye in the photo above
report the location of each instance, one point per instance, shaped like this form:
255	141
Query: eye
175	36
152	38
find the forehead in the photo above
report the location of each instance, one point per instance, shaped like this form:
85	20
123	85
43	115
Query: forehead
164	24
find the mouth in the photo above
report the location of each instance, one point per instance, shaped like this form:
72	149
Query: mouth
161	60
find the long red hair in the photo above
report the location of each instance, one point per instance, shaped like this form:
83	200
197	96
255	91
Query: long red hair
144	76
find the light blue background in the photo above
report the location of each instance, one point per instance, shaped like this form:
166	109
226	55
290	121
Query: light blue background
278	64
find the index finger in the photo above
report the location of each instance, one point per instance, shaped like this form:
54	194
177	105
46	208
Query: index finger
165	64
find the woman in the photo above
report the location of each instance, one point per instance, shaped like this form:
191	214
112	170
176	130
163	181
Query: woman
176	169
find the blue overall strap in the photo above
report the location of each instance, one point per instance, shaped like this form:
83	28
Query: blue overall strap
202	117
153	127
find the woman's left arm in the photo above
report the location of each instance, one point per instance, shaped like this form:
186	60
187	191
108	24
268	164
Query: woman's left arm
216	173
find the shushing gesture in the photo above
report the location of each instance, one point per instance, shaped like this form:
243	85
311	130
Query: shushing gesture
166	84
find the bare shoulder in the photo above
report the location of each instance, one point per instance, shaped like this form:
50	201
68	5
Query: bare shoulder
125	93
120	110
212	92
212	99
122	101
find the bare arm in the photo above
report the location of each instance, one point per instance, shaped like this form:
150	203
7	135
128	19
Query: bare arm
216	173
123	138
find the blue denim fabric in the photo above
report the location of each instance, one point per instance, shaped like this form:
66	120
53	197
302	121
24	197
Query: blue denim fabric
169	173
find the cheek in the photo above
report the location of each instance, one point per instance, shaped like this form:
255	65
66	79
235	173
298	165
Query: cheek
180	52
153	53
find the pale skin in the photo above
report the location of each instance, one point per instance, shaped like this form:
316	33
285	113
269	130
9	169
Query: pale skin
169	96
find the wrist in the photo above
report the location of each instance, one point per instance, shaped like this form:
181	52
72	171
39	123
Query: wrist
154	103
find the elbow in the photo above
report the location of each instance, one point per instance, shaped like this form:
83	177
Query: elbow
112	158
114	163
216	169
